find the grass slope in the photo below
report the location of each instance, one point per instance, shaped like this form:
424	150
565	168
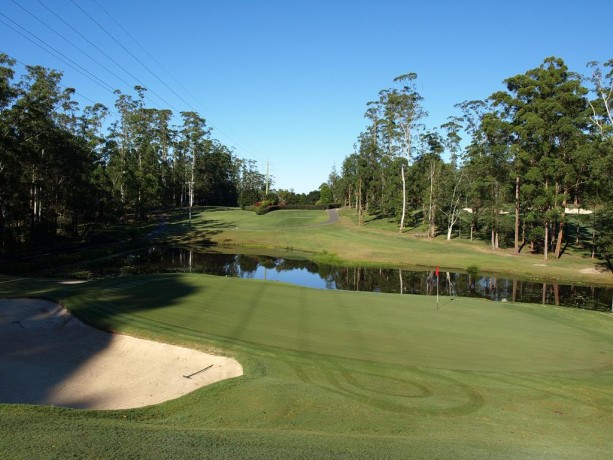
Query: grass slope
339	375
376	244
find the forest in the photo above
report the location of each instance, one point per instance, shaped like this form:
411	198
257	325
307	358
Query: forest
510	169
64	168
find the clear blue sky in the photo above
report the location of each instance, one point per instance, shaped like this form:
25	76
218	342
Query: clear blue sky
288	81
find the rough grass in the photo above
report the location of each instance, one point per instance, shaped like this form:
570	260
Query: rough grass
334	374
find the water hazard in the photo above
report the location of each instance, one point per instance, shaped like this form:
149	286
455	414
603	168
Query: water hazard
162	259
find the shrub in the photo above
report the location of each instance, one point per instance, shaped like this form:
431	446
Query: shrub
265	208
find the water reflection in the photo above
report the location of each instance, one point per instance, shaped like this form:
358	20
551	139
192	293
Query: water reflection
161	259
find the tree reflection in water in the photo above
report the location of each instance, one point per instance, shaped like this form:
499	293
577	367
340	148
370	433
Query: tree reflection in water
163	259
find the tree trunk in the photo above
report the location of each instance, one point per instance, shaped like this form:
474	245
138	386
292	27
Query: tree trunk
359	204
191	187
404	199
516	250
546	245
400	279
523	234
493	237
431	226
558	251
561	231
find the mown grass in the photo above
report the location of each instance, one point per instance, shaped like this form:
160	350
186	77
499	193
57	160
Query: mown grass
336	374
380	245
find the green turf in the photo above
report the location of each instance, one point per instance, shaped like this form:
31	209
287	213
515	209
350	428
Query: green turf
378	243
334	374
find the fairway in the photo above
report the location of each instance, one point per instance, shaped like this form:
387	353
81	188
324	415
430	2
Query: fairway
280	230
336	373
315	235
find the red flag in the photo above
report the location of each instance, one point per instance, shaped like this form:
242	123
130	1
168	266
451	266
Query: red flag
437	271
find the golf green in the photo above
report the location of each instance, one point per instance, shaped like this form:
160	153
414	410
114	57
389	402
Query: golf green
343	374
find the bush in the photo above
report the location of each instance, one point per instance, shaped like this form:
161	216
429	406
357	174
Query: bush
265	208
472	270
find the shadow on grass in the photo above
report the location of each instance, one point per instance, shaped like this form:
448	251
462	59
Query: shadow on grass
42	347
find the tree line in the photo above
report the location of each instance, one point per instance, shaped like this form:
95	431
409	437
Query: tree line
509	168
63	167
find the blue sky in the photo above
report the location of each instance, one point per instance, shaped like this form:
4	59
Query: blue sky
288	81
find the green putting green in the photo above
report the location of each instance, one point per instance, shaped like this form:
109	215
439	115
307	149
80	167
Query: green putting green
340	374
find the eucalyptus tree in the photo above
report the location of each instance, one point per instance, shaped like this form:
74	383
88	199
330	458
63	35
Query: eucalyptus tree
546	108
373	152
369	177
35	110
43	147
335	182
90	126
194	139
163	140
403	109
251	183
601	149
477	167
431	164
453	139
454	176
601	79
134	165
216	180
349	173
325	194
487	167
120	146
45	165
8	159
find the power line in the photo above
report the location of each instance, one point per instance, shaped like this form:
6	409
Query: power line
97	79
109	57
161	66
169	74
72	44
66	87
130	53
146	52
85	72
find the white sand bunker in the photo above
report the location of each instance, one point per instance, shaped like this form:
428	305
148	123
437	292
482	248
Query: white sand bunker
49	357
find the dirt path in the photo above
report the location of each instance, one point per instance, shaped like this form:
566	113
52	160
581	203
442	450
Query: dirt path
332	219
332	216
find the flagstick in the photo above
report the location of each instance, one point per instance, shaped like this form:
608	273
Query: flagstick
437	292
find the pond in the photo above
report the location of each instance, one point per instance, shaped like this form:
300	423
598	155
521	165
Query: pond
163	259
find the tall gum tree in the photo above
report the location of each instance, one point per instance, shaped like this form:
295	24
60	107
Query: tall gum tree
8	158
601	148
454	177
194	136
546	107
404	110
471	120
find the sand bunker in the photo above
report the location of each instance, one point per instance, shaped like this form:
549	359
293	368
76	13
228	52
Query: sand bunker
49	357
